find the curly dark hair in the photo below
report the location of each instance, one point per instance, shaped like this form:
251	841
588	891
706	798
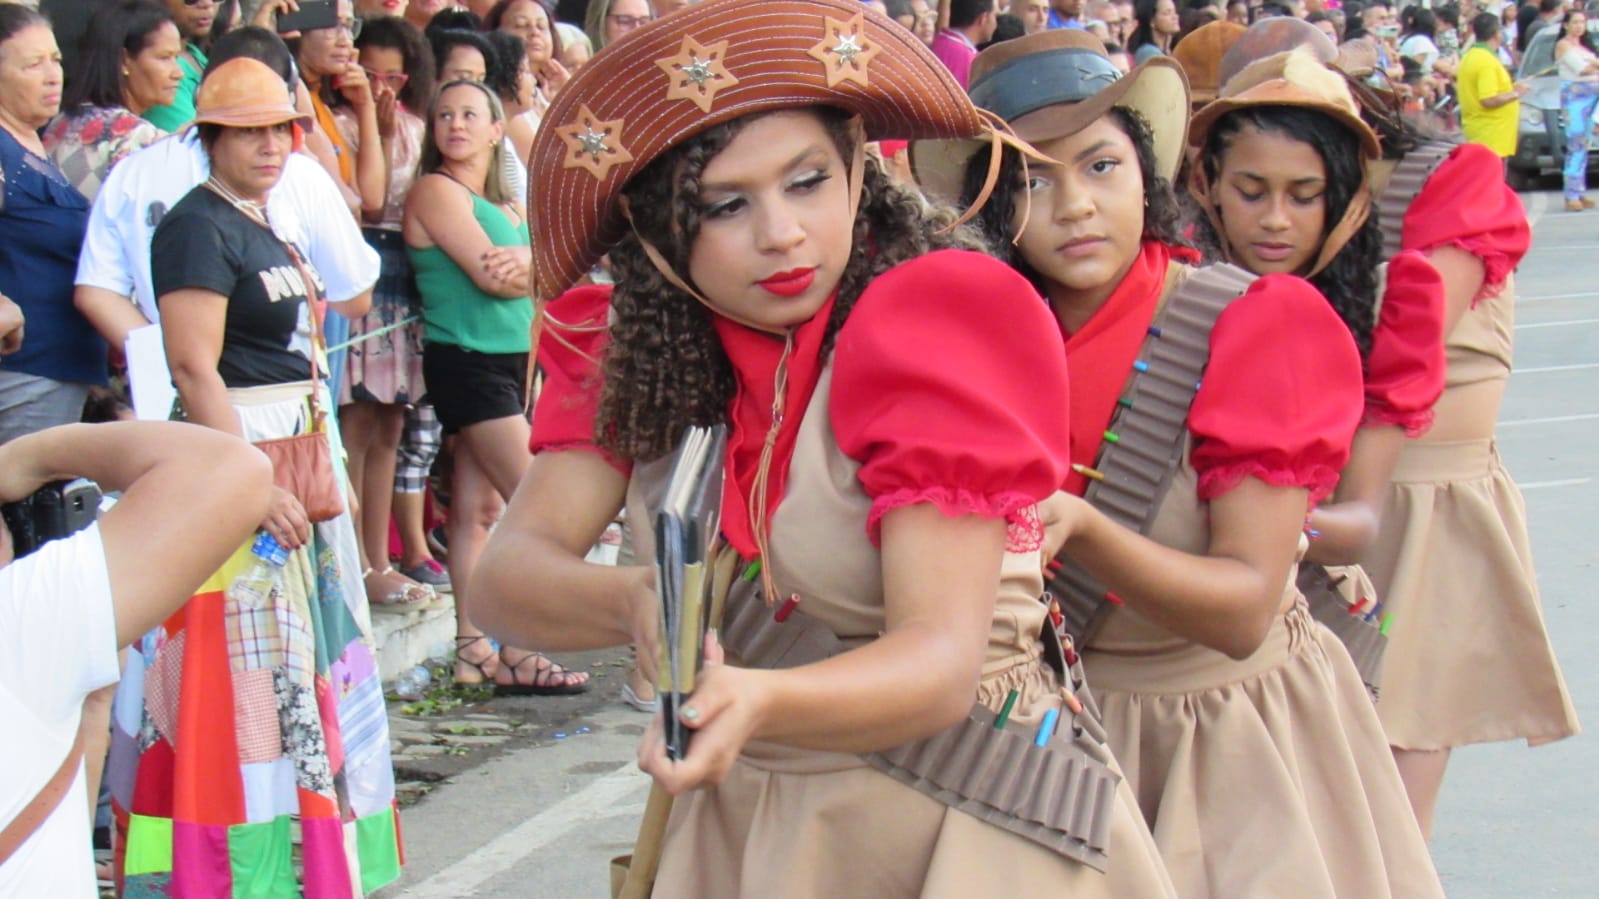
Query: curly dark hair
1163	217
1350	282
665	368
395	33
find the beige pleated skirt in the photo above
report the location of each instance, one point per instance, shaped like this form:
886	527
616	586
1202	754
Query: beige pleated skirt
803	824
1264	777
1468	658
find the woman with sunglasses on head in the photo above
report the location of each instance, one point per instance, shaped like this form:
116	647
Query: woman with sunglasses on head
1240	722
467	239
772	278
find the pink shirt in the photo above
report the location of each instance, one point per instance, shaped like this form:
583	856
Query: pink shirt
955	52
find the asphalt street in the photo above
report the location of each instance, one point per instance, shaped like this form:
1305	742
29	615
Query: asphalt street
540	813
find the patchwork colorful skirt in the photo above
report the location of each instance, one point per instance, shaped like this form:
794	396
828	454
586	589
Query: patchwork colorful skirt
250	744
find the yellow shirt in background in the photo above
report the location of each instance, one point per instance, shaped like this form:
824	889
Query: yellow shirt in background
1481	74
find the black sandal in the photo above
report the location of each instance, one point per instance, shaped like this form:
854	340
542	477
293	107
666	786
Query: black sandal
462	643
542	676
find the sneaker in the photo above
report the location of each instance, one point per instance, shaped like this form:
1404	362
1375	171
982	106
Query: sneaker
431	573
438	543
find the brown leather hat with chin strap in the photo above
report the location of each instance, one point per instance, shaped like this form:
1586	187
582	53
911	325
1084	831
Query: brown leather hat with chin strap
705	65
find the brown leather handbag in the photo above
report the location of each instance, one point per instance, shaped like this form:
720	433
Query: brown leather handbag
302	465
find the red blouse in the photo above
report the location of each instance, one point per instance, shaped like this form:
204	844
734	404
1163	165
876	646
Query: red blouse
942	390
947	388
570	348
1466	204
948	381
1280	399
1406	366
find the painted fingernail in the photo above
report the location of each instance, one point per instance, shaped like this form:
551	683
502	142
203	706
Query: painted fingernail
691	713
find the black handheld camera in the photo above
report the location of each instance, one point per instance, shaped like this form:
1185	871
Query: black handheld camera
58	509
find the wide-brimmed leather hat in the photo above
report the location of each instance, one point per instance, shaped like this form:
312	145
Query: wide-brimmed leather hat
1297	78
1054	84
1200	54
705	65
1273	35
244	93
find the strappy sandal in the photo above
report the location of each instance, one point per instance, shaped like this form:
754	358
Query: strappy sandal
544	677
405	595
482	670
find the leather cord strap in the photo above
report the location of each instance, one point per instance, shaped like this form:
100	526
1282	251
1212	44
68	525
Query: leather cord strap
44	803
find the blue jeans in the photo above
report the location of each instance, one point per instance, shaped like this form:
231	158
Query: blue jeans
1578	99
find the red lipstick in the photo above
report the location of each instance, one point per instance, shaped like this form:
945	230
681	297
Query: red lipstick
790	283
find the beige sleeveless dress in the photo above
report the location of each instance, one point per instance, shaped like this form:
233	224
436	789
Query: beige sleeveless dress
1267	777
799	823
1468	658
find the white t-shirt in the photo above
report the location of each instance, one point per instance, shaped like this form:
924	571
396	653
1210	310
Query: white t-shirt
58	644
305	209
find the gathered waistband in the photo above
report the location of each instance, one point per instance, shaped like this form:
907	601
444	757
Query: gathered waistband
1461	460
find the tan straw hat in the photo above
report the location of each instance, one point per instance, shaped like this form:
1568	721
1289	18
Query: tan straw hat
244	93
1054	84
1200	54
707	64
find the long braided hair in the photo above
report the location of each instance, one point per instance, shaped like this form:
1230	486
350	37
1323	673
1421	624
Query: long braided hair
1163	218
1350	282
665	368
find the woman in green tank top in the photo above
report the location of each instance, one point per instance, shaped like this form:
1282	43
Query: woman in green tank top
468	242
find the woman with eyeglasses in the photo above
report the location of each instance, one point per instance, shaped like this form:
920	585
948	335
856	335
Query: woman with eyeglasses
327	61
383	372
609	20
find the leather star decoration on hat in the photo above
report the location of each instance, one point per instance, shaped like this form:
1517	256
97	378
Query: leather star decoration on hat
697	73
845	52
593	145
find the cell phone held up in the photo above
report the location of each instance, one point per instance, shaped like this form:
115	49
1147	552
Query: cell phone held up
312	14
58	509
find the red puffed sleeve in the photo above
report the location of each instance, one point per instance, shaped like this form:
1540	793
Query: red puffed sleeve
1405	368
570	347
1466	204
1281	397
949	387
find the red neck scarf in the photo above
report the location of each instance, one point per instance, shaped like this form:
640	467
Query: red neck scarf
1100	355
755	356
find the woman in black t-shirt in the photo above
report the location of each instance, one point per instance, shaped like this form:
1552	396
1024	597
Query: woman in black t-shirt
278	641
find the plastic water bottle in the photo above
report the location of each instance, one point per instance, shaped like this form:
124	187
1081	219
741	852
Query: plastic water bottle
413	684
253	589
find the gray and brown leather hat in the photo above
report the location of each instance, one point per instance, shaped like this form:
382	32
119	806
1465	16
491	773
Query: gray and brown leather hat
1052	85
